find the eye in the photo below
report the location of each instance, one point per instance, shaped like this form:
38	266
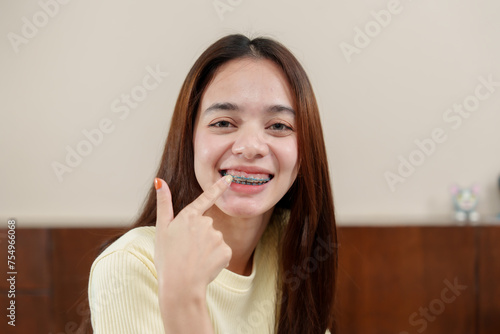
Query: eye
279	126
220	124
280	129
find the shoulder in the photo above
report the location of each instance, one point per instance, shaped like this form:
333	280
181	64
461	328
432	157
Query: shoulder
123	286
137	245
136	238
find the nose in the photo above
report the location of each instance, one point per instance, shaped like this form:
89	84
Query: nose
250	145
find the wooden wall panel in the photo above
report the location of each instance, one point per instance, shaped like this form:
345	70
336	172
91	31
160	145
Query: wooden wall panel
33	314
489	280
32	261
74	250
32	282
387	275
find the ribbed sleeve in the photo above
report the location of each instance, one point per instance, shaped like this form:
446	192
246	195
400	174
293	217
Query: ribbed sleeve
123	290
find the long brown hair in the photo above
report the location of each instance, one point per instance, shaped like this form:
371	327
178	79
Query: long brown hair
306	298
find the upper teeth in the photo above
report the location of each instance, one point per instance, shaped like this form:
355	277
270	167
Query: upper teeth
238	178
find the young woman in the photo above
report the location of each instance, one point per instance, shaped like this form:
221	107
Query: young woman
238	233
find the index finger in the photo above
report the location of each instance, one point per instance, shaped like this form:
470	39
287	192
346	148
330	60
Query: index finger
210	196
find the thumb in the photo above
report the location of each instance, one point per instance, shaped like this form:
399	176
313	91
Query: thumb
164	209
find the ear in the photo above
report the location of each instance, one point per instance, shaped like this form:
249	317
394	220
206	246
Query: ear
475	189
454	189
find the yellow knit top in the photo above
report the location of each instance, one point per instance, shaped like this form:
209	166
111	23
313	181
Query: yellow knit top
123	289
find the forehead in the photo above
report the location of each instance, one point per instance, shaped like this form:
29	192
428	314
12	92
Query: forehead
248	80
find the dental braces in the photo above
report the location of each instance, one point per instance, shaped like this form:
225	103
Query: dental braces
248	180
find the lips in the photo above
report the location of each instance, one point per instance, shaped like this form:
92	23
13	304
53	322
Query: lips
248	176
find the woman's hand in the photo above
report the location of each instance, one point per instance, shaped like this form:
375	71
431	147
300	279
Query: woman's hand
189	254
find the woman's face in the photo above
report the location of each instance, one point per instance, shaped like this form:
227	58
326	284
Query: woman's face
245	126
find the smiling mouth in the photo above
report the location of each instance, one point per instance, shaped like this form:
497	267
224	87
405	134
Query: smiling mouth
247	179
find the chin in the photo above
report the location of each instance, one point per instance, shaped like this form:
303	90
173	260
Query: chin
241	211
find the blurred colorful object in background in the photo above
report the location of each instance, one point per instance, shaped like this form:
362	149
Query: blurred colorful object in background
465	201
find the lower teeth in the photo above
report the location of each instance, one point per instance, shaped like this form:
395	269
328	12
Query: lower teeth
249	183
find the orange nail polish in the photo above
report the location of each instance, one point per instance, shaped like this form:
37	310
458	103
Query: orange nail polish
157	183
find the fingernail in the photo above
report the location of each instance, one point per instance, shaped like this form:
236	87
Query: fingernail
228	179
157	183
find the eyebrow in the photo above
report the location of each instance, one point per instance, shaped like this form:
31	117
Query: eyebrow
278	108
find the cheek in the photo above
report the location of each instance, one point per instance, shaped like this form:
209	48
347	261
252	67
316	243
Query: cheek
207	151
287	154
202	153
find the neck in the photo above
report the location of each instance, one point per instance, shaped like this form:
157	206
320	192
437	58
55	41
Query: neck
242	235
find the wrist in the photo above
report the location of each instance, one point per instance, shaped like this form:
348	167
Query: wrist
181	306
182	295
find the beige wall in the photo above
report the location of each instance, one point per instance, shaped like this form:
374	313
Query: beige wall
377	95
